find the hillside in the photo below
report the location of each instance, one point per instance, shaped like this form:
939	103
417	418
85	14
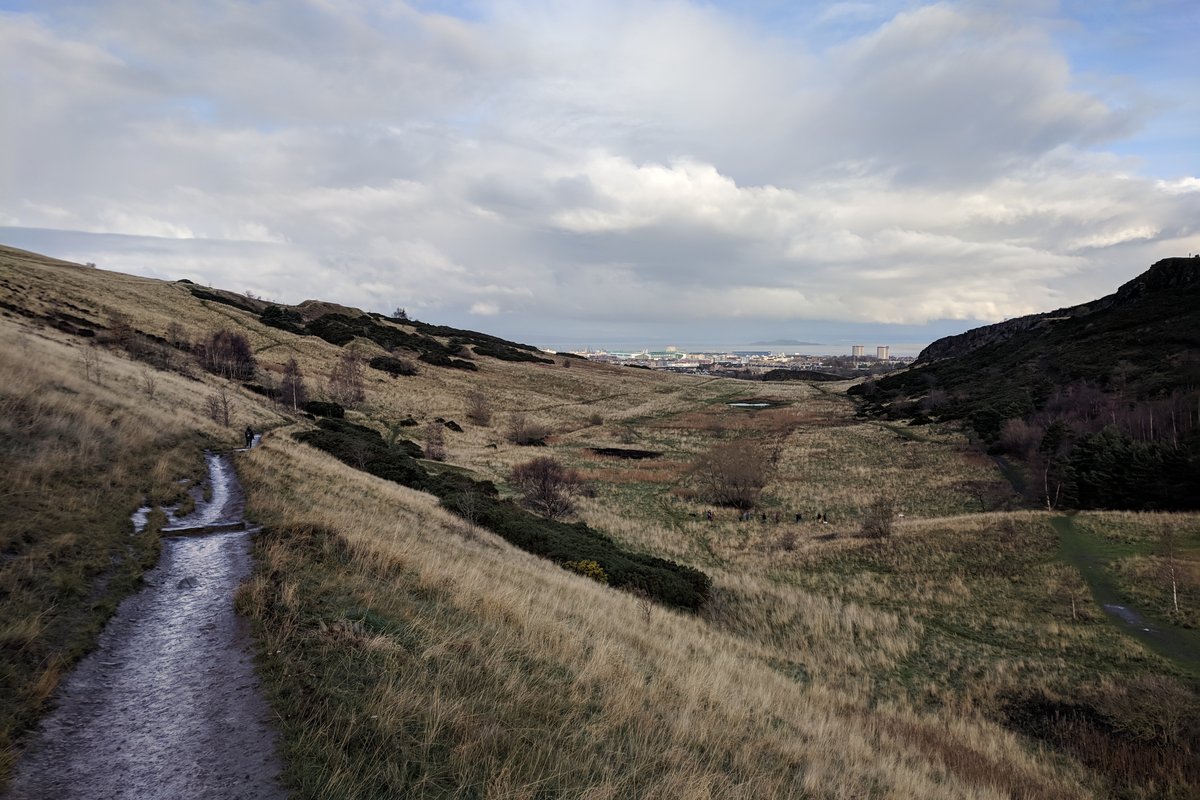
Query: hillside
1103	395
424	631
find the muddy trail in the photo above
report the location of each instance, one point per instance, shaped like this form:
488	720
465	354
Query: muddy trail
1179	645
168	705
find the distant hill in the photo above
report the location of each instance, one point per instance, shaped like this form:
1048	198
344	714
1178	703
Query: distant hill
1104	395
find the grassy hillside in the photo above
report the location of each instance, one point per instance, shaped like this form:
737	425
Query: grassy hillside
410	651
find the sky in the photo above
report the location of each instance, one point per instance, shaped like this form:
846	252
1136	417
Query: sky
613	172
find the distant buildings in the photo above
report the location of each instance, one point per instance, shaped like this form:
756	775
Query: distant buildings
748	362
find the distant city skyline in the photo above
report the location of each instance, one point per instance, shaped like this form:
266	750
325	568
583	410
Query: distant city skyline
887	172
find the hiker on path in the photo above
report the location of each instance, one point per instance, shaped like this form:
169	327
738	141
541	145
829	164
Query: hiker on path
249	437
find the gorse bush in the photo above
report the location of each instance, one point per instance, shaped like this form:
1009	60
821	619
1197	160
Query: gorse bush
393	366
588	569
562	543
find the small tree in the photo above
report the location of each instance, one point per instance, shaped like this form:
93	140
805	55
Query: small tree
346	380
219	406
877	524
400	314
733	474
468	503
292	391
547	486
435	441
1168	552
177	336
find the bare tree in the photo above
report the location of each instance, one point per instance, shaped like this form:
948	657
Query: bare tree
400	314
219	406
1168	551
346	380
292	391
479	408
547	486
149	383
733	474
435	441
228	354
468	504
877	523
524	431
177	337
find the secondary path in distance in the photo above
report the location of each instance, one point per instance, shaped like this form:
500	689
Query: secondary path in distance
1177	644
168	705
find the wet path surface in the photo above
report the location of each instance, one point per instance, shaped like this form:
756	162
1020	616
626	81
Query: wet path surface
168	705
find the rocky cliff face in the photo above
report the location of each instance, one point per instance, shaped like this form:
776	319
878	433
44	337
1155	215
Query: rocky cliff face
1168	275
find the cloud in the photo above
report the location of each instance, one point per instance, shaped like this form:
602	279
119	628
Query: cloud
587	163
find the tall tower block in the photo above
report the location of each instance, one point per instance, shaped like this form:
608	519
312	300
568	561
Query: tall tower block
858	351
882	351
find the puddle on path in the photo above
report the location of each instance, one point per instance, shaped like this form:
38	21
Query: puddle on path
168	705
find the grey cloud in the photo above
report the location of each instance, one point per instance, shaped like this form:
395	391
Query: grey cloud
607	161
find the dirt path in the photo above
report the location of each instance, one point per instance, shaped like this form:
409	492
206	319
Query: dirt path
168	705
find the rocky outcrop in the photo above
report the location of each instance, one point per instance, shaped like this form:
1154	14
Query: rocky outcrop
1168	275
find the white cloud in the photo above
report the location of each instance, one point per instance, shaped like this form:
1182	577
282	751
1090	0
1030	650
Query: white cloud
592	161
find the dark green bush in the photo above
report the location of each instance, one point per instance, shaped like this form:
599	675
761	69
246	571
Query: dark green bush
393	366
321	409
560	542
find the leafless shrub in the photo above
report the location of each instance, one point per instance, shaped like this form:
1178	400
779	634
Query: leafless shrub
435	441
881	514
346	380
177	337
479	408
524	431
149	383
1152	708
120	331
547	486
733	474
468	504
219	405
89	359
788	540
595	419
1020	437
645	605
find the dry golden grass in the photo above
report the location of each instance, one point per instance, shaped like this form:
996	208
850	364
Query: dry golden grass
603	701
